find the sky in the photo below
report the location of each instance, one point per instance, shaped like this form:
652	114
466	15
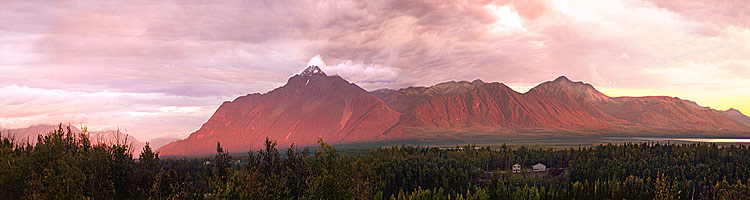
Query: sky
160	68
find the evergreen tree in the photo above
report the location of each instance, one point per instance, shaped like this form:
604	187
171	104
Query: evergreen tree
148	169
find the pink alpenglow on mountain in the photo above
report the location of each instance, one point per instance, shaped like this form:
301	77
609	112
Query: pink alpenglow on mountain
311	105
314	105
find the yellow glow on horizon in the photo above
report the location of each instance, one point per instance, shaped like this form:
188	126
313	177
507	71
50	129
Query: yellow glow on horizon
715	99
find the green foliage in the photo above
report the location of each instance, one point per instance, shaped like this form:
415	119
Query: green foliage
332	179
65	165
147	170
665	189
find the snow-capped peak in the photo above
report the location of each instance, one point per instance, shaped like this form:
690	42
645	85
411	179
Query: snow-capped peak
312	69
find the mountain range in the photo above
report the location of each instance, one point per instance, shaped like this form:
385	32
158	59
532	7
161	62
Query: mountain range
313	105
30	134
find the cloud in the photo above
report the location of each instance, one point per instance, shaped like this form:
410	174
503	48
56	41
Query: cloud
156	55
509	22
721	13
368	76
144	115
317	61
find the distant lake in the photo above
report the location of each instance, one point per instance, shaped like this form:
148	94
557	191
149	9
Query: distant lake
710	140
550	141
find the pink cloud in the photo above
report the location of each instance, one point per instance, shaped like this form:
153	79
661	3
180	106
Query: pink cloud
722	13
207	52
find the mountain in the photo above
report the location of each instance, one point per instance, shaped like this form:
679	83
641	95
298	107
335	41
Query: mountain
31	133
496	105
404	100
159	142
640	113
476	111
313	105
669	113
577	95
736	115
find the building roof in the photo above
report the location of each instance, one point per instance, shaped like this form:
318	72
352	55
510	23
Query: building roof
540	164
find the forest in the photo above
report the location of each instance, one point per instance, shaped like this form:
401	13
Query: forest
65	165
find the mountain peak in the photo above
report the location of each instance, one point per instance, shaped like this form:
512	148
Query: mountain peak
563	84
312	69
562	79
735	115
733	111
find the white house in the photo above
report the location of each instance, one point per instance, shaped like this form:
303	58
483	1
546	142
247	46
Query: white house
516	168
539	167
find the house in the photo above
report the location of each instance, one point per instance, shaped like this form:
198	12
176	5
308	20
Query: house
516	168
539	167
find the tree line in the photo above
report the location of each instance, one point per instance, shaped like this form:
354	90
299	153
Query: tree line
65	165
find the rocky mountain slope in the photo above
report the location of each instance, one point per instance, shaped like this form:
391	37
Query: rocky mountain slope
313	105
736	115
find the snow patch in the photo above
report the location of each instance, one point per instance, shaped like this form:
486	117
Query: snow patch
345	115
312	69
290	132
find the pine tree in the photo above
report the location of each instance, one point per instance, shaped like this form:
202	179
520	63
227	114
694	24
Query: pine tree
148	168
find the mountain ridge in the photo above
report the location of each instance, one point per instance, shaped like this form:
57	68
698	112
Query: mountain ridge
313	105
30	134
309	106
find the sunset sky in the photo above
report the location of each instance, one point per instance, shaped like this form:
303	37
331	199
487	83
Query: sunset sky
161	68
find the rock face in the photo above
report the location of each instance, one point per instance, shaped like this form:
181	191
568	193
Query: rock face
497	105
579	95
313	105
555	105
404	100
